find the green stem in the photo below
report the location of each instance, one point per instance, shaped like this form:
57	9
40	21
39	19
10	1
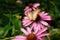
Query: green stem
48	37
7	38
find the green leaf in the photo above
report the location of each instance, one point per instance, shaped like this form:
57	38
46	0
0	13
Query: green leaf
13	30
4	31
55	31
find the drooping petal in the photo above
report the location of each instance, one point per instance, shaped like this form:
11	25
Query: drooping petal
26	21
44	29
19	38
34	25
39	38
47	34
36	30
28	29
45	23
24	31
44	34
40	26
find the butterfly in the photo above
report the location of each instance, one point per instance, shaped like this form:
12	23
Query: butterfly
32	15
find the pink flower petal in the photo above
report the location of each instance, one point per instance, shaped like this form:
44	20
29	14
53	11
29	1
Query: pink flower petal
45	23
46	14
27	11
42	35
26	8
47	18
40	39
25	18
44	29
19	38
24	31
41	14
36	5
40	26
29	30
15	39
26	21
33	8
36	30
34	25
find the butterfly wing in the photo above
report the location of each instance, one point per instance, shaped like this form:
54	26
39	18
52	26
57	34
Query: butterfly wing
35	13
29	15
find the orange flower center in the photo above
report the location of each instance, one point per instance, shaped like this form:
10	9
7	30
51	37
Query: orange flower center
31	37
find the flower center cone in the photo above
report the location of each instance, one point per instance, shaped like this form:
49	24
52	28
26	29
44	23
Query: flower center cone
31	37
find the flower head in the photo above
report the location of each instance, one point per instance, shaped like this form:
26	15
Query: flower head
36	19
31	7
32	35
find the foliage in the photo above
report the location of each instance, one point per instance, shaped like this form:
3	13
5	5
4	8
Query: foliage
10	24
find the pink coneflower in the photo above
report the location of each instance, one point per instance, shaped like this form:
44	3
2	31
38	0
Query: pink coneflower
36	20
31	7
30	35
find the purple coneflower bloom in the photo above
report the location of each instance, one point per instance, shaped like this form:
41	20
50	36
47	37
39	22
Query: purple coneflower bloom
31	7
32	35
36	21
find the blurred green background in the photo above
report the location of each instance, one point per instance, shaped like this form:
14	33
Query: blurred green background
10	20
